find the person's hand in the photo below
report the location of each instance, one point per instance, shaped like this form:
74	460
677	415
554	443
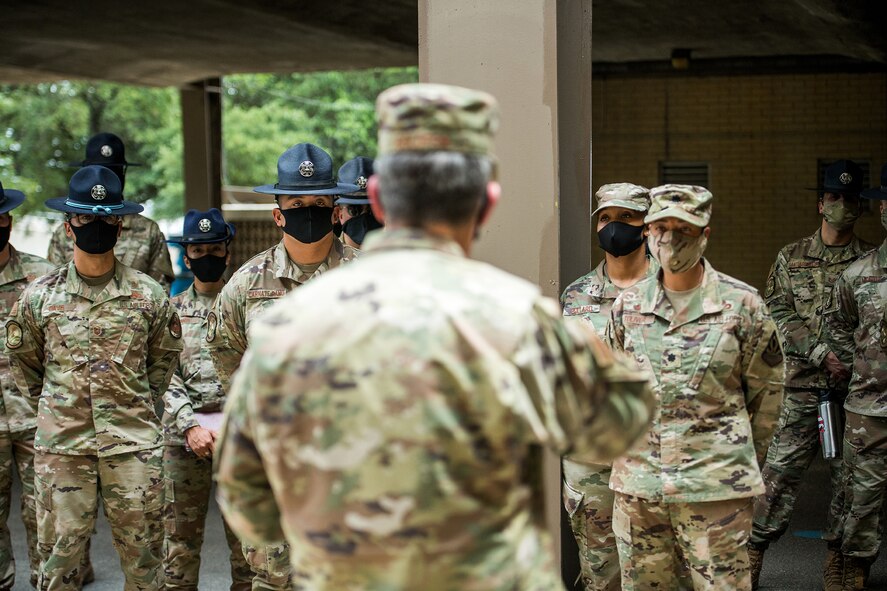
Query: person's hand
201	441
837	369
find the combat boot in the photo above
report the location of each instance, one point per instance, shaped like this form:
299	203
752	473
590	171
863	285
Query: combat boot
833	570
755	562
854	573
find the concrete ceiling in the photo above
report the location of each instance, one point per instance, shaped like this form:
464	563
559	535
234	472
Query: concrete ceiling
647	30
172	42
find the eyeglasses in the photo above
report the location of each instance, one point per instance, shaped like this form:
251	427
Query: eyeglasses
5	220
87	218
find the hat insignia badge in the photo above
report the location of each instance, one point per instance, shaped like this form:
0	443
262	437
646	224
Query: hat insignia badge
361	182
845	178
98	192
106	151
306	168
204	225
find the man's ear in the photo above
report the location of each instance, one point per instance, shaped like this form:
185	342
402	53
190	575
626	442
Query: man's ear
119	229
706	231
494	193
375	202
278	217
68	231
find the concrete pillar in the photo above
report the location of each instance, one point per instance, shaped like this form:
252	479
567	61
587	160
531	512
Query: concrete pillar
535	57
201	106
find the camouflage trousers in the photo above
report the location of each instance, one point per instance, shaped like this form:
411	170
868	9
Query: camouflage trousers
68	489
865	463
17	452
271	567
672	546
188	487
793	448
589	503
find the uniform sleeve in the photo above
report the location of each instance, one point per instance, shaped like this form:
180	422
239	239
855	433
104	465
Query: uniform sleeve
160	263
27	351
797	338
59	248
582	396
244	491
763	373
226	333
177	403
164	346
841	320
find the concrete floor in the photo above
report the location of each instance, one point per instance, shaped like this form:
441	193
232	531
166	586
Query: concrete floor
792	564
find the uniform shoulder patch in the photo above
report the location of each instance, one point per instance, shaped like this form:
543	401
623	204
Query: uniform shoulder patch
175	326
771	286
211	327
14	335
772	354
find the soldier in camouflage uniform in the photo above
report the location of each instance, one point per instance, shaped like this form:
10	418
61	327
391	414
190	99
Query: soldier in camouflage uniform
304	194
856	330
684	491
395	450
797	289
141	245
18	419
193	405
586	489
94	344
353	210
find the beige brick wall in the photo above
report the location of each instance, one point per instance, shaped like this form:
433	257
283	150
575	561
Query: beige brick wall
761	135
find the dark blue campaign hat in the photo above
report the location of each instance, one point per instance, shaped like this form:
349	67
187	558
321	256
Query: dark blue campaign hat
843	177
95	190
878	192
10	199
356	172
204	227
106	149
305	169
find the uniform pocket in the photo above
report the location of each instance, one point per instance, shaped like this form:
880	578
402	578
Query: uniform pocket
129	338
572	498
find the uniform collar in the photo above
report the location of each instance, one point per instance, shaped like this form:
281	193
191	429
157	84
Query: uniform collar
284	268
654	301
116	287
13	270
410	238
818	249
609	289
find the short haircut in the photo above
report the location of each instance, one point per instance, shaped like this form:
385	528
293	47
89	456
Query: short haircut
417	188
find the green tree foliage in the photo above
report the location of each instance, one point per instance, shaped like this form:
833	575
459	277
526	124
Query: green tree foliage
44	127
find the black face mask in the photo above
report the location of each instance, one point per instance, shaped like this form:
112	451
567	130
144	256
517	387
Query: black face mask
620	239
337	229
96	237
209	268
308	224
4	236
357	227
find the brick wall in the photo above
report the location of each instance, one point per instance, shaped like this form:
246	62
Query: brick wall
761	135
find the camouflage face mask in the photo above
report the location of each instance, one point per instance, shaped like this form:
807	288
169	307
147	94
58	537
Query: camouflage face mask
838	215
677	252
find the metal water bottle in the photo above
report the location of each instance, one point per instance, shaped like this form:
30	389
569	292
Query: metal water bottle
829	425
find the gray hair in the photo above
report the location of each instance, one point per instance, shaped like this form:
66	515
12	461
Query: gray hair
417	188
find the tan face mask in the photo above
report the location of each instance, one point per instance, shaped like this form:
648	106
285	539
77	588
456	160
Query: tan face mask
838	215
675	251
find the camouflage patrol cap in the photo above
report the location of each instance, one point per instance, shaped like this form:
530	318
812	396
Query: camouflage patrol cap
432	117
684	202
625	195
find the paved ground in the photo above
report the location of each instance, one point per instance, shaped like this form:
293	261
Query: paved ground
792	564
